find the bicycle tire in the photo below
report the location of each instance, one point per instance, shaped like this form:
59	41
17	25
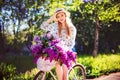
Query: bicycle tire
45	76
39	75
77	72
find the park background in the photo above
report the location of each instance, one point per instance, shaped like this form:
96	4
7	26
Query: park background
97	40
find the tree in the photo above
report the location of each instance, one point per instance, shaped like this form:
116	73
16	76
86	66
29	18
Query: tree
96	42
14	14
85	14
96	14
103	13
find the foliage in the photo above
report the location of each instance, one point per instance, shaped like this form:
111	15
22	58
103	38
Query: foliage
17	14
17	60
7	71
28	75
103	64
83	18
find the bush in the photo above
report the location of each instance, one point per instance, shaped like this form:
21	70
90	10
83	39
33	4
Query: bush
7	71
28	75
103	64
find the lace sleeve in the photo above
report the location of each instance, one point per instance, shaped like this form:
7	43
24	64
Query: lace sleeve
48	27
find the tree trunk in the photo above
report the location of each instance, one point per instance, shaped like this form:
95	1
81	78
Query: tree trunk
2	50
96	41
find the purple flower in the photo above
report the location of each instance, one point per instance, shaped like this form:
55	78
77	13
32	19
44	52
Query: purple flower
68	63
50	48
49	35
62	56
71	55
40	43
51	53
35	49
54	42
36	38
36	58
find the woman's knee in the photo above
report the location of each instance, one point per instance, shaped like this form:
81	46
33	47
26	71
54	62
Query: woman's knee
57	65
64	66
65	69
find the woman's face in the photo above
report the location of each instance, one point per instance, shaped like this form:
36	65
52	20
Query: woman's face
61	17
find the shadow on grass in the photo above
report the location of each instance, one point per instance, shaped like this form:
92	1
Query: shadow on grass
23	63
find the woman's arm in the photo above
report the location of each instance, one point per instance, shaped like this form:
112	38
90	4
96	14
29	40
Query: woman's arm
45	25
71	41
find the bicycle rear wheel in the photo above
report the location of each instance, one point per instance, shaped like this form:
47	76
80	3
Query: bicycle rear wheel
40	75
77	72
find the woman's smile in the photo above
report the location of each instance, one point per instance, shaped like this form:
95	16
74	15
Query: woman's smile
61	17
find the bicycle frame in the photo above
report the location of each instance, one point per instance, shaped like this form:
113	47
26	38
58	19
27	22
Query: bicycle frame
75	66
53	75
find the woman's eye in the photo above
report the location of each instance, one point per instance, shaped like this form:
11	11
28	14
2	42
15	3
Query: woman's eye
57	16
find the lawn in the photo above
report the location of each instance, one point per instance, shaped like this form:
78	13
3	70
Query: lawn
25	68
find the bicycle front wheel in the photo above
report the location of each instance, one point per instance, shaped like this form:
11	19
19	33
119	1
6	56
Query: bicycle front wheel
45	76
40	76
77	72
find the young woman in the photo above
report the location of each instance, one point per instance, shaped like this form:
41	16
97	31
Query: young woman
61	26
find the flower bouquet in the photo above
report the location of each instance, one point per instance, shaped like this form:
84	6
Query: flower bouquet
47	49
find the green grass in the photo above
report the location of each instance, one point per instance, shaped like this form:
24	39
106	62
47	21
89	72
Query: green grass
22	63
103	64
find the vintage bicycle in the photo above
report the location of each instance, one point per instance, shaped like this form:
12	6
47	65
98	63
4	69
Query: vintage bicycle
76	72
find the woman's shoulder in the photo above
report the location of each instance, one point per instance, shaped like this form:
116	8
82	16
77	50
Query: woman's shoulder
72	28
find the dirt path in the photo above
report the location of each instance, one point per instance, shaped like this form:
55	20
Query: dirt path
112	76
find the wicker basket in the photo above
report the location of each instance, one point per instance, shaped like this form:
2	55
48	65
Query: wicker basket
45	65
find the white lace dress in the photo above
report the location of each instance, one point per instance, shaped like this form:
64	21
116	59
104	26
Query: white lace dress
67	43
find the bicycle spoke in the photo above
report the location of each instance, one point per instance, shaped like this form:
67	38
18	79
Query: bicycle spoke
77	73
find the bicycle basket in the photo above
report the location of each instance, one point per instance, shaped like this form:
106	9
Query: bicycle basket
45	65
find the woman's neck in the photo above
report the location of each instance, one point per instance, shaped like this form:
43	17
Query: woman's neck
63	25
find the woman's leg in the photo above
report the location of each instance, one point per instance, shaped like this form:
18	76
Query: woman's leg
65	72
59	71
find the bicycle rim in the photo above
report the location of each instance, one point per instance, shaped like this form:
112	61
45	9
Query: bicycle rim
77	72
45	76
40	76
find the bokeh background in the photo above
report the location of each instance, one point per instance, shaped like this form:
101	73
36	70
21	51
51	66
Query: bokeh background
98	33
